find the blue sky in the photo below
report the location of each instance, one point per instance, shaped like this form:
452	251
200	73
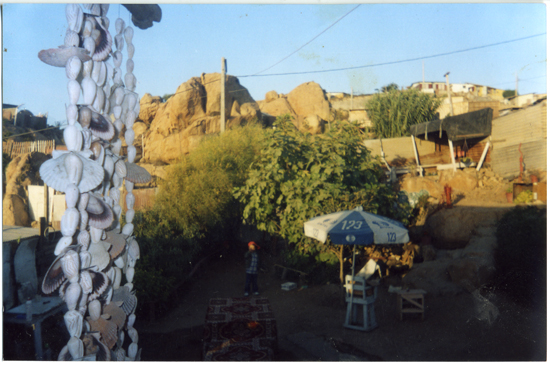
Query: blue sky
192	39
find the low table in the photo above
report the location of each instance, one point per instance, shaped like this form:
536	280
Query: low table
239	329
410	301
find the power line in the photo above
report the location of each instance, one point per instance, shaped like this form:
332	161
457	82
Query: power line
318	35
400	61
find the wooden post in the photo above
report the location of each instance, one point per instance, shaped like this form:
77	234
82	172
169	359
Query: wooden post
449	93
451	149
222	101
46	203
483	156
416	155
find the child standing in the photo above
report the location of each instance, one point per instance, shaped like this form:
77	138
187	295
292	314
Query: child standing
252	264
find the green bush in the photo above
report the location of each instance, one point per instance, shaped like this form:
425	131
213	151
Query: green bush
520	256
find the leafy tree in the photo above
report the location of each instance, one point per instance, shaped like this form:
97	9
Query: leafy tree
508	93
299	176
390	87
165	97
393	112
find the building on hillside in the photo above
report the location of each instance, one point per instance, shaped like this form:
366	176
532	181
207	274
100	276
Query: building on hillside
440	88
466	104
430	87
523	100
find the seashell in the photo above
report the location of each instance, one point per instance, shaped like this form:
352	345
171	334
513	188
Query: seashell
96	69
73	87
132	351
72	113
86	139
54	172
129	187
88	90
75	17
109	166
100	215
117	278
76	348
130	65
102	75
117	315
64	354
117	111
117	59
133	333
100	257
117	209
83	238
96	149
89	45
131	321
111	271
117	243
101	351
118	125
107	329
137	108
136	173
133	249
126	298
96	33
130	200
130	286
119	42
117	76
120	170
71	196
84	116
71	295
95	234
69	222
99	101
130	81
58	57
131	49
73	322
87	68
87	28
130	119
101	127
131	262
120	262
108	295
104	10
130	215
73	138
85	259
62	244
129	34
70	264
107	105
100	283
109	76
116	146
119	25
114	193
95	9
83	219
130	274
129	135
131	154
82	304
85	282
128	229
72	39
73	167
94	308
117	181
73	67
54	277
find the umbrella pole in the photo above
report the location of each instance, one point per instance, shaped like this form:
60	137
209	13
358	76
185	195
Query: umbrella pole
352	282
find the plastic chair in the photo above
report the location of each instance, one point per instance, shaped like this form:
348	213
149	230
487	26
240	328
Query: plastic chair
359	294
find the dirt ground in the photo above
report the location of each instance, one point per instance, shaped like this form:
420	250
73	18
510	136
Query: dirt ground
451	330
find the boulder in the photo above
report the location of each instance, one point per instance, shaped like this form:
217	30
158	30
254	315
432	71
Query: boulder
277	107
234	91
458	180
148	107
312	124
309	98
413	184
271	95
433	277
15	211
139	128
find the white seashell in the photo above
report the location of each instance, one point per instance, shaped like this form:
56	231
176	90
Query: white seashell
72	39
119	42
111	272
72	295
117	77
110	73
119	96
87	139
73	138
129	188
120	262
132	100
99	100
73	87
72	113
117	180
74	167
130	213
117	59
95	9
73	322
133	333
87	30
70	264
131	320
76	348
89	44
102	78
71	196
95	234
119	25
88	90
118	278
86	282
131	50
131	262
63	243
132	351
133	249
69	222
94	307
137	108
130	274
131	153
107	106
129	34
117	111
117	210
130	65
120	169
128	229
104	10
100	256
114	193
75	16
87	68
130	200
118	125
130	81
83	202
129	135
85	258
131	117
83	237
109	295
116	146
96	70
73	67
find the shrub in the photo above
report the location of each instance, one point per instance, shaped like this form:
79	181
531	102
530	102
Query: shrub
520	257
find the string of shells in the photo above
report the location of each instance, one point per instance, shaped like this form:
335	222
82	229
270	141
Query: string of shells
96	257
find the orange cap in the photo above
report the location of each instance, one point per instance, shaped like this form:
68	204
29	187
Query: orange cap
252	243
